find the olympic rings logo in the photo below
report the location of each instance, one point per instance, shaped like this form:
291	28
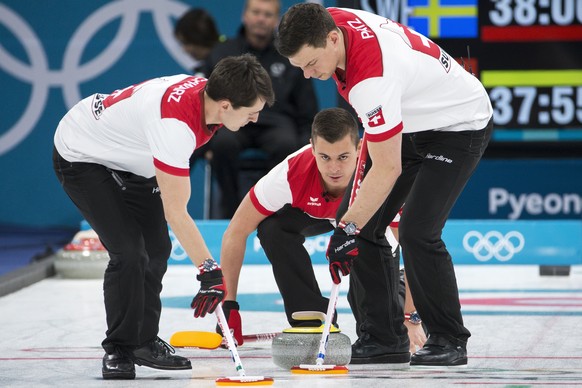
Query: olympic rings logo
73	72
493	244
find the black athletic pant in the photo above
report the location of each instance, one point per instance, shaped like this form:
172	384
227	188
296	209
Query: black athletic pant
126	211
282	236
435	168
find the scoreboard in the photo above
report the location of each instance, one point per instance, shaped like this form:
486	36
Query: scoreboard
527	54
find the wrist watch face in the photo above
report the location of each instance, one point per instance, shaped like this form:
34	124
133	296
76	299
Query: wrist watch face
415	318
350	228
209	265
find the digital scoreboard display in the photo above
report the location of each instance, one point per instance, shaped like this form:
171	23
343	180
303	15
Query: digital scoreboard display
527	54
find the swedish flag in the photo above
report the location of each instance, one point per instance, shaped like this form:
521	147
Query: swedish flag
444	18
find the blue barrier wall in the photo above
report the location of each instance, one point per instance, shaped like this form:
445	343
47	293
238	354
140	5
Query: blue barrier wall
469	242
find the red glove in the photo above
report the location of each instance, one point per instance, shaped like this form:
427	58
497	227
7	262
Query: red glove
231	312
341	252
212	289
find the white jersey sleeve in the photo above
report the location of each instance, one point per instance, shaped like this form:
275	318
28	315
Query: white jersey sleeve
273	191
380	112
171	143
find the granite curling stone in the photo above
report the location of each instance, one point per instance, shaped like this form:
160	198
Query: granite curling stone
83	258
300	345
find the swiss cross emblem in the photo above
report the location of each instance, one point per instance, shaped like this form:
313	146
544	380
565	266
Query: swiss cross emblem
375	117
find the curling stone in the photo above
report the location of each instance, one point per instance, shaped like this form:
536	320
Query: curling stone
300	345
83	258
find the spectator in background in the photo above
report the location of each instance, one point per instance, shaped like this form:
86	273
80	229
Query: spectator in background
197	33
282	128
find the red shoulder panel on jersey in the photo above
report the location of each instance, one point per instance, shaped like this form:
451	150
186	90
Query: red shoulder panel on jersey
170	169
363	53
300	167
184	101
173	101
377	137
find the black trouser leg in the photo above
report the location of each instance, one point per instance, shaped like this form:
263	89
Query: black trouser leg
374	278
124	210
282	236
374	294
148	211
429	267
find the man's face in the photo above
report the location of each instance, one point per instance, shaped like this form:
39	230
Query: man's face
234	119
336	162
319	63
260	18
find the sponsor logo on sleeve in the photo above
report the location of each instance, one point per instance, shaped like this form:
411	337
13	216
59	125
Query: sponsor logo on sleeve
97	105
375	117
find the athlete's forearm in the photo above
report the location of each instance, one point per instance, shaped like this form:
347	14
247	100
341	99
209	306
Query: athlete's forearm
231	260
372	193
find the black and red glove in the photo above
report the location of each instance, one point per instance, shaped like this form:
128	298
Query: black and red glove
231	312
341	252
212	289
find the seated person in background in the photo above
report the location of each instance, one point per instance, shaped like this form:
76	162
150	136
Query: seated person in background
282	128
197	33
296	199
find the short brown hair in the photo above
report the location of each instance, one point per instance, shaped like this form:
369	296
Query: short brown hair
241	80
303	24
197	27
333	124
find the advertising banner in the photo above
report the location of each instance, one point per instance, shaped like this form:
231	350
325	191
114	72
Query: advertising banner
523	190
468	242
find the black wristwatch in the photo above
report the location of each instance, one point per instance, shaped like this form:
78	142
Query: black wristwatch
349	227
413	318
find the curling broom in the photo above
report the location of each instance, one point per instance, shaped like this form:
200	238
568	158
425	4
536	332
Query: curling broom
210	340
242	379
319	367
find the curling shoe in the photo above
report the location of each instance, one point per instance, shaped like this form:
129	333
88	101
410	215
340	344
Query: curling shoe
160	355
118	365
366	351
440	352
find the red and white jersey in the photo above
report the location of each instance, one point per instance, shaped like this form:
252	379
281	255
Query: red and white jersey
398	80
396	221
157	123
295	181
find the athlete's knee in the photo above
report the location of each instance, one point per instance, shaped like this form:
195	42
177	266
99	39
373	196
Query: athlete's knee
409	233
127	251
161	250
270	231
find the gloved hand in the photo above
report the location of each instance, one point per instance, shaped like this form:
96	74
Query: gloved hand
341	252
212	289
231	312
